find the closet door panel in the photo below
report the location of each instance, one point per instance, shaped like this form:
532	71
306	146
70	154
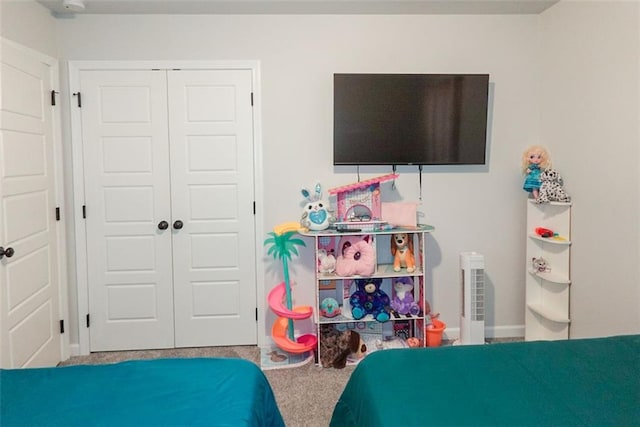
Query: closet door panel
211	132
127	193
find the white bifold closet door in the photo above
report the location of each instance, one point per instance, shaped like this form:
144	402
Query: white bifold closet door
168	161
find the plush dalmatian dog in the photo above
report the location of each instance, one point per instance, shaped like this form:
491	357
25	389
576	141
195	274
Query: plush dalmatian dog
551	189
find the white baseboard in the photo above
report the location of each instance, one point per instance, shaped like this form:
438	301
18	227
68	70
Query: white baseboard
74	350
512	331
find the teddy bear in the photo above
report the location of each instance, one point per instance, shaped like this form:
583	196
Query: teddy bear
540	265
403	301
369	299
551	189
337	346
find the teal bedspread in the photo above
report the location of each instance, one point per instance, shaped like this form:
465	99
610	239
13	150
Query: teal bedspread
164	392
582	382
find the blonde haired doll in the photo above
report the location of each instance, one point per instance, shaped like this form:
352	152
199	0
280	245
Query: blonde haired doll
534	159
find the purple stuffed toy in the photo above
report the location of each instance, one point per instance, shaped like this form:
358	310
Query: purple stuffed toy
369	299
403	302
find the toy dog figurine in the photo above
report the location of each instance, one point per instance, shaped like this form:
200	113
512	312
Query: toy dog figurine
402	251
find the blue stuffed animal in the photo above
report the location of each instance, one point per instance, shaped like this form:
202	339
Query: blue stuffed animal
369	299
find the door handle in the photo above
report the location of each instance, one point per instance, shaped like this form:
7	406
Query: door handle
178	225
163	225
6	252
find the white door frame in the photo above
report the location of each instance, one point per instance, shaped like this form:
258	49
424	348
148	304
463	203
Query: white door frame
59	189
75	68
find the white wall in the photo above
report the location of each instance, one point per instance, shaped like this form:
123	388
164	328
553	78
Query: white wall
472	208
590	121
534	62
29	24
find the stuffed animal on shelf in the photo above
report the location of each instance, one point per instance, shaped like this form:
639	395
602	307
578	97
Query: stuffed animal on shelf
336	346
326	261
356	256
329	307
540	265
316	215
402	301
402	251
369	299
551	189
534	160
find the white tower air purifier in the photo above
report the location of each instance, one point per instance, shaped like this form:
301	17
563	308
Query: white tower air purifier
472	305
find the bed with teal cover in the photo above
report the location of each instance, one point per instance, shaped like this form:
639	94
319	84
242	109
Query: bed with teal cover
581	382
162	392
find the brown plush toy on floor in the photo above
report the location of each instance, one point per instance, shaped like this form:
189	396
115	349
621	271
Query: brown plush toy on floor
336	347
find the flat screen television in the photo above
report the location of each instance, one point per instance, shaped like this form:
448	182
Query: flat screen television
410	119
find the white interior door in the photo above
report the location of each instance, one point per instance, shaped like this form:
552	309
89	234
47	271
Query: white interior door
188	158
127	196
29	286
211	134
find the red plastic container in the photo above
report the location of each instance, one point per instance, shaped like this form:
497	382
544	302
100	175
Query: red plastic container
434	335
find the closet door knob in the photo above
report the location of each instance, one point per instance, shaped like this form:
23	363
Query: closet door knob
163	225
6	252
178	225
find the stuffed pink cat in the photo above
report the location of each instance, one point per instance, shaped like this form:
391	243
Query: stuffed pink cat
356	256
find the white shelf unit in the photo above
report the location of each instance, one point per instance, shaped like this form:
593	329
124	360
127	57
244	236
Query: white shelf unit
340	287
547	315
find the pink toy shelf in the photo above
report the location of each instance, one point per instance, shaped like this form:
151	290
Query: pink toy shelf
358	204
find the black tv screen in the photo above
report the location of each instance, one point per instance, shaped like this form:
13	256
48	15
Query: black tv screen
410	119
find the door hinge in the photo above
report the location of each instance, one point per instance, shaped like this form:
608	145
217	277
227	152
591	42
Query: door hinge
62	326
84	211
254	207
88	322
57	214
252	99
53	97
79	96
256	314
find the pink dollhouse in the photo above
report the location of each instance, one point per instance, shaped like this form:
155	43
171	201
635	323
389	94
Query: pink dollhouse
360	202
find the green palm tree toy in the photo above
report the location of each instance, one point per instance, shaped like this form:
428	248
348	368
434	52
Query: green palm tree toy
283	246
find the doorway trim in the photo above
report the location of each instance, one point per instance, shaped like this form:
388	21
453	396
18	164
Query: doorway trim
82	285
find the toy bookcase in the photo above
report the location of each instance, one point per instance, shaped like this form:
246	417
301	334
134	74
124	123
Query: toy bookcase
547	314
390	334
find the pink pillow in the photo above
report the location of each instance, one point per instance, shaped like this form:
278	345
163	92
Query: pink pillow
356	256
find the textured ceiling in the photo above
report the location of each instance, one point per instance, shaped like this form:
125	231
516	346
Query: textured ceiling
304	7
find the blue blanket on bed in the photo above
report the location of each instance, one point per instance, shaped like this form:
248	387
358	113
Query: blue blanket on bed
583	382
164	392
